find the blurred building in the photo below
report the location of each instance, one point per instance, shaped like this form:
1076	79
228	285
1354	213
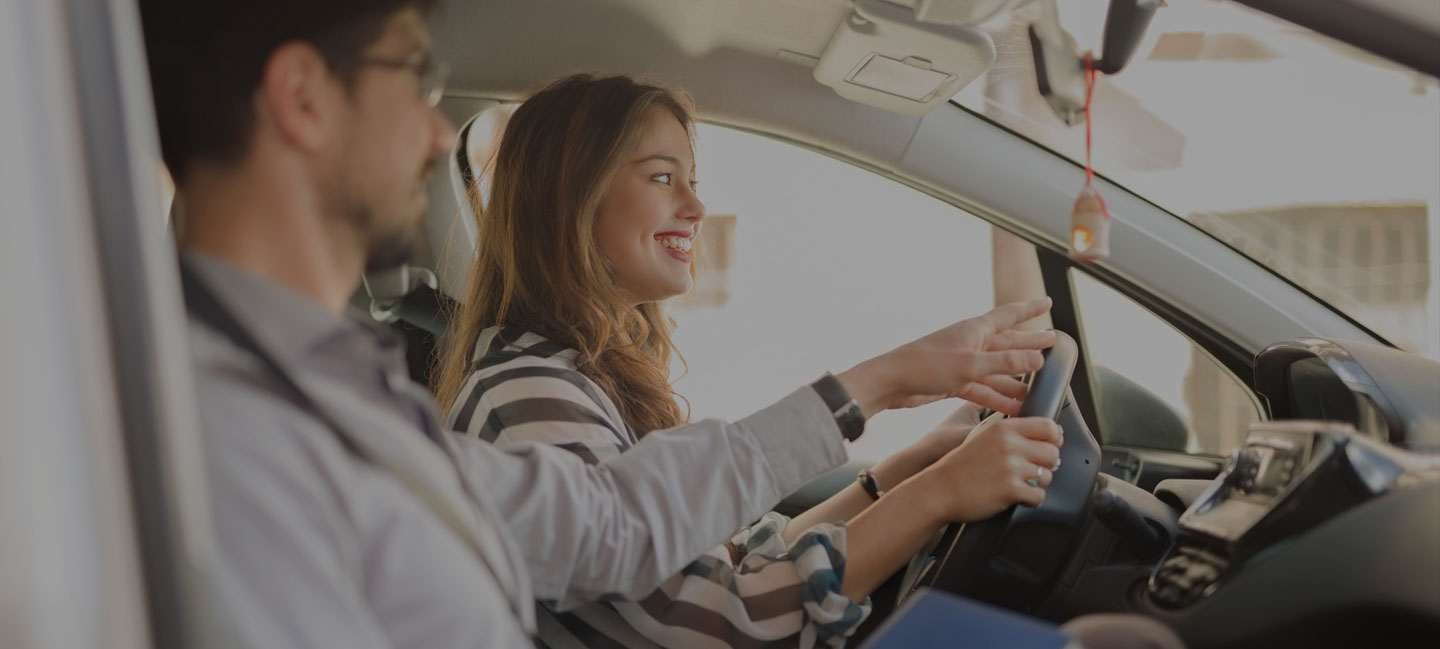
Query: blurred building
1370	258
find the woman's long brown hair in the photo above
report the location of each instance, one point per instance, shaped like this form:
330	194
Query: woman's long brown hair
537	266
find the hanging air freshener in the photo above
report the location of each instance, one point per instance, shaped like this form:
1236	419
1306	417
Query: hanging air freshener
1089	227
1089	220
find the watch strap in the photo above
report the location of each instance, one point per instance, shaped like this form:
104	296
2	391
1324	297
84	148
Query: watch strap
842	406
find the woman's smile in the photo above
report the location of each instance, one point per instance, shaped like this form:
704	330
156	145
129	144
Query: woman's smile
676	245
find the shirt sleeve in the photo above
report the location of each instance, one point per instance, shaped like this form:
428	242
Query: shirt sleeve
775	593
620	527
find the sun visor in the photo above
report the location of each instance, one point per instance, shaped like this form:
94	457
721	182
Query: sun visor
882	56
962	12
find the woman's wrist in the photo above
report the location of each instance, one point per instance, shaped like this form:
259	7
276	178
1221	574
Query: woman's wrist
923	499
868	384
901	465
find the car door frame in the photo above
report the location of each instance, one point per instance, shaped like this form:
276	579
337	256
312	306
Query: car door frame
106	434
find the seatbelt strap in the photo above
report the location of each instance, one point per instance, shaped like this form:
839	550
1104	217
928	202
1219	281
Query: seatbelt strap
201	303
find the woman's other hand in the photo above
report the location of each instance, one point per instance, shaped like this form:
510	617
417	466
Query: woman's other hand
991	470
951	432
974	359
943	438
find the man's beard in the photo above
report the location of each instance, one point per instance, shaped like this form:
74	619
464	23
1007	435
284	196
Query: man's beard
389	242
385	250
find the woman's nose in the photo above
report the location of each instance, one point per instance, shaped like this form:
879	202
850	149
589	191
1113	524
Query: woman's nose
692	209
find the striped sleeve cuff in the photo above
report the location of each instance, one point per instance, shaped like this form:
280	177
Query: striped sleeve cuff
819	558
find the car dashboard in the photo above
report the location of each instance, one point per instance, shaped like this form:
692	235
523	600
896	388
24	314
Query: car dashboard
1385	393
1323	529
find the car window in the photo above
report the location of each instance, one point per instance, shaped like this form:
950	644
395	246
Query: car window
808	264
1155	387
812	264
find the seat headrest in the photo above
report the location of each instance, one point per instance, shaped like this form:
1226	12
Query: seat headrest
464	168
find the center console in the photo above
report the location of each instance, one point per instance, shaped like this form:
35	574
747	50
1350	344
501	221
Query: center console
1288	477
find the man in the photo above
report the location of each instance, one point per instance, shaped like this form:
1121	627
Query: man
301	135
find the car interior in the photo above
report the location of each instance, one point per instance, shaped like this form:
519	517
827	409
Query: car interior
1196	539
1279	487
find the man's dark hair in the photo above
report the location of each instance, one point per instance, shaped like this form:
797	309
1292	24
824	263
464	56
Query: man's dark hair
207	56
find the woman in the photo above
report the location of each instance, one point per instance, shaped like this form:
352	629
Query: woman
563	340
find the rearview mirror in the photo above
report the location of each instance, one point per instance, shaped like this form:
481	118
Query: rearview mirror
1125	24
1060	66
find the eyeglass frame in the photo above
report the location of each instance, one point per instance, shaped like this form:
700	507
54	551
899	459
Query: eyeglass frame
430	74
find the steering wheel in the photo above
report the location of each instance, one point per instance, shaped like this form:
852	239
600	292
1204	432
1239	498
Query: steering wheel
1014	558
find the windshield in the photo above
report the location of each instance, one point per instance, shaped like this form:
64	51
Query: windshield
1312	157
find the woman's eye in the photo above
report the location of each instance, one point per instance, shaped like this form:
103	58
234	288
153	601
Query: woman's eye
664	178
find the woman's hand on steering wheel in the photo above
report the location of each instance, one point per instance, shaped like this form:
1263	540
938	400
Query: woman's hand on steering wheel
972	359
950	433
1002	462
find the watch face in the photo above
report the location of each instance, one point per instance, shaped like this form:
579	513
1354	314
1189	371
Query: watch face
870	485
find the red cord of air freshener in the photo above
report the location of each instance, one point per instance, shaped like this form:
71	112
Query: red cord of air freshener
1089	170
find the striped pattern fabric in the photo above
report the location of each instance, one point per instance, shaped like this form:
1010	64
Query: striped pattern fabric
752	592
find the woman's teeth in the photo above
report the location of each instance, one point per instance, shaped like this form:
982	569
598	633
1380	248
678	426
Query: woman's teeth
675	243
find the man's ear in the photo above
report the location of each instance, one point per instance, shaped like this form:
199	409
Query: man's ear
300	98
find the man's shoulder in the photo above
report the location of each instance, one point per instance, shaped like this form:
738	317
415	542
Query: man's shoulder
245	411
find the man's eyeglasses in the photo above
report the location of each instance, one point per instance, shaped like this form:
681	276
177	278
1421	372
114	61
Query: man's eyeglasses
430	74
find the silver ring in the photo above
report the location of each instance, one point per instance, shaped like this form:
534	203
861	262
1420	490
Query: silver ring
1035	481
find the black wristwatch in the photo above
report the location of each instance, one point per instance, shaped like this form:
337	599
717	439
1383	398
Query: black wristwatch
842	406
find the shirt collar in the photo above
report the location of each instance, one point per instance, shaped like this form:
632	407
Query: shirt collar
281	319
519	341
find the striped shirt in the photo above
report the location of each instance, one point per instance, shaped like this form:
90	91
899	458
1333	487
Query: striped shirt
752	592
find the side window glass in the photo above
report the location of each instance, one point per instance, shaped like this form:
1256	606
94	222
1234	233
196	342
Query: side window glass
1156	388
810	264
